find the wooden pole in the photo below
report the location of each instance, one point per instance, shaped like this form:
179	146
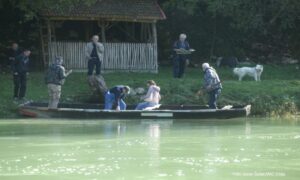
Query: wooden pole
43	45
102	25
49	31
49	42
154	32
103	33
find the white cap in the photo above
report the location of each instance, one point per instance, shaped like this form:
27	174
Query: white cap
205	66
182	36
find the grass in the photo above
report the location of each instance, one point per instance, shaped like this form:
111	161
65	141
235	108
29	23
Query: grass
277	94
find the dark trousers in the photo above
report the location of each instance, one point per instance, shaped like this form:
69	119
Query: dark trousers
95	62
213	97
20	82
178	66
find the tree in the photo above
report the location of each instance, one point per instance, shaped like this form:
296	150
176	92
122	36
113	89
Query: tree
234	27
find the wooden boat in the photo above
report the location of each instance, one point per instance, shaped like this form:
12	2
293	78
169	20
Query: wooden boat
95	111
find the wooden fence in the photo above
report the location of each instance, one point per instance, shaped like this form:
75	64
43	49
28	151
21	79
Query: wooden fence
135	57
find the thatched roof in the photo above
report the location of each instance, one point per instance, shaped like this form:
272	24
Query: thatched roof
112	10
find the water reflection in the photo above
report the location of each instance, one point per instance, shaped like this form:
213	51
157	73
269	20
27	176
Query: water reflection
147	149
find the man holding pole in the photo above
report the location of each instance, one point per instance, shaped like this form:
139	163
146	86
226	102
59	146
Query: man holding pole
55	78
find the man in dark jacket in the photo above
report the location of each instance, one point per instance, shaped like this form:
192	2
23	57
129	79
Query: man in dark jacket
54	79
115	96
20	67
12	53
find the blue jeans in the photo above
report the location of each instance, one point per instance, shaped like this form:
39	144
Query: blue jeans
213	96
144	105
179	66
91	64
110	99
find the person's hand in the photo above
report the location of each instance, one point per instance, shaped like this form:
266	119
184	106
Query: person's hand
69	72
199	93
16	73
118	108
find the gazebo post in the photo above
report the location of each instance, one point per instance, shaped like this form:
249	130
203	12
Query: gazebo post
103	26
103	34
154	33
49	31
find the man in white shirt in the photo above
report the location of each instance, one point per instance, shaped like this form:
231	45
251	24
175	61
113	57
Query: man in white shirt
94	54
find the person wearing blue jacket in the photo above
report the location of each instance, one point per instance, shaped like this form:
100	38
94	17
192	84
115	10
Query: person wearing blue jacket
212	85
115	97
20	68
179	60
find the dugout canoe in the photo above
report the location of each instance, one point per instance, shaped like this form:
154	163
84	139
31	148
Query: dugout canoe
95	111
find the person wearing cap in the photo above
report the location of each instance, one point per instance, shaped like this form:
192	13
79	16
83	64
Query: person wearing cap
212	85
152	97
20	68
179	60
55	78
94	54
115	97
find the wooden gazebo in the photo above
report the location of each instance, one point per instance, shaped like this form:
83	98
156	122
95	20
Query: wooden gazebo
136	50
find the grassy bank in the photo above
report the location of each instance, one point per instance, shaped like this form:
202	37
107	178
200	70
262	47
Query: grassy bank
277	94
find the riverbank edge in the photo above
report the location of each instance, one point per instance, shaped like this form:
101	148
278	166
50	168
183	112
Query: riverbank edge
272	97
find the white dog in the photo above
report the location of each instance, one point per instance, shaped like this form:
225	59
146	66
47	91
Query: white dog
250	71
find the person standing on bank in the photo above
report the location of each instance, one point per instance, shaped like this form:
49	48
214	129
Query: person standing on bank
13	52
115	97
20	67
212	85
152	97
179	60
94	54
55	78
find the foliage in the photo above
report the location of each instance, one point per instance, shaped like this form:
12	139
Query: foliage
263	30
235	27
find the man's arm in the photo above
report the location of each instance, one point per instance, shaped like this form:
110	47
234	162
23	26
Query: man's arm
100	48
69	72
87	53
14	65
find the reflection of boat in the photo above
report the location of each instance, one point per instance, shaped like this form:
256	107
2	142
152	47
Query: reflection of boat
94	111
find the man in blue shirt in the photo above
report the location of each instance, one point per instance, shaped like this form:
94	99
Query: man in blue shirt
115	97
179	60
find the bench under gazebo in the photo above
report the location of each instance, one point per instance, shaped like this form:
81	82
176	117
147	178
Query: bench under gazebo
127	29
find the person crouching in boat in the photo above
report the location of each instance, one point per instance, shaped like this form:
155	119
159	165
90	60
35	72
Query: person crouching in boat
152	97
212	85
115	96
55	78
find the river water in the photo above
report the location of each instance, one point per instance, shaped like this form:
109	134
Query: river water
149	149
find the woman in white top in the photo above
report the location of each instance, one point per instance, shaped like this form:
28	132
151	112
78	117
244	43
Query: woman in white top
152	97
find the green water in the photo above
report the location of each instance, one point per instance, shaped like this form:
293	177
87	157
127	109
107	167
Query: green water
145	149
